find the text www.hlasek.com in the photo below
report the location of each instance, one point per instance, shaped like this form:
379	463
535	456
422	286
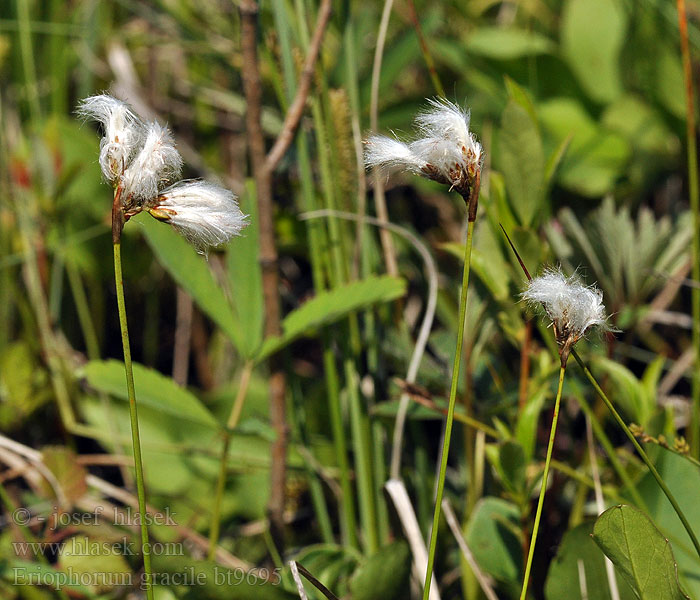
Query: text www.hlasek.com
84	547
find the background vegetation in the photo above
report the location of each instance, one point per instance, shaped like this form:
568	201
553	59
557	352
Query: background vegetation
580	106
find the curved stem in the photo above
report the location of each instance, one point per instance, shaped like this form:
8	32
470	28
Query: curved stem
639	449
543	489
453	395
135	437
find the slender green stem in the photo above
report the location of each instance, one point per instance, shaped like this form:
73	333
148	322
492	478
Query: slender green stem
694	195
135	437
453	397
639	449
233	419
543	489
359	426
347	505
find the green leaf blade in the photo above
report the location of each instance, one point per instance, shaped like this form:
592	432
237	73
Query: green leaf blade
152	389
640	553
331	306
245	276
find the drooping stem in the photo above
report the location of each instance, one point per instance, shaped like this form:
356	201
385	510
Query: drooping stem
640	450
694	195
471	219
545	476
117	225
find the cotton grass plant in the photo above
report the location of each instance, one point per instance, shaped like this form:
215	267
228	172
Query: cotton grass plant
446	151
573	309
139	160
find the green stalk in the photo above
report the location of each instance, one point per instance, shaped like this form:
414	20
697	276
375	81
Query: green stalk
312	468
362	448
694	195
117	224
472	206
543	489
639	449
233	419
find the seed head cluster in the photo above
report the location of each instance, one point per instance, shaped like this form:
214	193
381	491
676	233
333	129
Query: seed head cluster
573	307
140	161
444	149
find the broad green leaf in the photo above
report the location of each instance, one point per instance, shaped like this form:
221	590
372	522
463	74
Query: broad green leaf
152	389
595	157
384	575
521	160
245	277
579	554
191	272
492	539
683	479
506	44
592	34
641	554
332	305
179	461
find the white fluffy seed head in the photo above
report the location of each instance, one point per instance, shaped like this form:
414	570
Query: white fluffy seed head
382	151
123	132
205	214
445	150
573	307
157	163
